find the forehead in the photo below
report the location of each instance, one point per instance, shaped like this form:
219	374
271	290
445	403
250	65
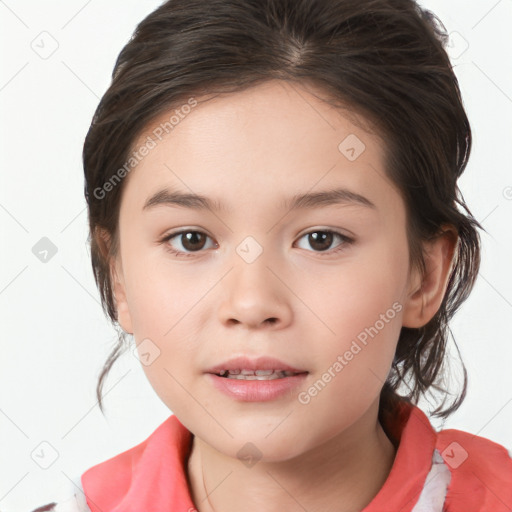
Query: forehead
274	140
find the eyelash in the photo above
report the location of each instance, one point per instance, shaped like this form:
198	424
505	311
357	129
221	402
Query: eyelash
180	254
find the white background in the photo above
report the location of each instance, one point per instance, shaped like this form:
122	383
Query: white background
55	337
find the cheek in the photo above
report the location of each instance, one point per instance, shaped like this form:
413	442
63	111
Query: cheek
157	297
358	296
362	308
164	307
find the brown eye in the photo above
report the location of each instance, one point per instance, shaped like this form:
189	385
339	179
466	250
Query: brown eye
322	240
190	241
193	240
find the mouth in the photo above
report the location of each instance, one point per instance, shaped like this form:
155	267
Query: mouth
245	374
260	379
255	368
258	385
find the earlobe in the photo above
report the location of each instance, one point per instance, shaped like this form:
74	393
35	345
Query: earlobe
427	292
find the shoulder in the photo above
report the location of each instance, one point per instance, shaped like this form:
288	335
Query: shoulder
69	498
481	472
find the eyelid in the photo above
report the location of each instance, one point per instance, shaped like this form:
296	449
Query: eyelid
343	232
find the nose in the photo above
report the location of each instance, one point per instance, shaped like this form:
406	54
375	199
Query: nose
255	295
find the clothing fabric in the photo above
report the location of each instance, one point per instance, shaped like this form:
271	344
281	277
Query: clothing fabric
446	471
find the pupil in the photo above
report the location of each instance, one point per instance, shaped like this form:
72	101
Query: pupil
190	239
315	238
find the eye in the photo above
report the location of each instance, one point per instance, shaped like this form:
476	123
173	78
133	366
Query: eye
321	240
189	240
192	241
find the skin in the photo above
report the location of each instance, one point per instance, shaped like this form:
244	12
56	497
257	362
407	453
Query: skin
266	144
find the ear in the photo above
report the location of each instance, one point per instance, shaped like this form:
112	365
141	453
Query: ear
117	279
426	293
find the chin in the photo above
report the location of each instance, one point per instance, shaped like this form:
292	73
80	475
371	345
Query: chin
251	445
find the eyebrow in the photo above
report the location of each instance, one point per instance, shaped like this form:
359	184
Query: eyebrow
167	197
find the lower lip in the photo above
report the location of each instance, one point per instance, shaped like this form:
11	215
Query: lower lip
257	390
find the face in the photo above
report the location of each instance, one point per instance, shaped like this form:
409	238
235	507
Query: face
319	285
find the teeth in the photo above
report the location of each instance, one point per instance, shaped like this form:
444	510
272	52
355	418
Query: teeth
255	374
264	372
272	376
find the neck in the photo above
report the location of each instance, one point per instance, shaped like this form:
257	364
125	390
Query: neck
344	474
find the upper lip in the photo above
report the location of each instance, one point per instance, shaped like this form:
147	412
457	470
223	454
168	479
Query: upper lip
259	363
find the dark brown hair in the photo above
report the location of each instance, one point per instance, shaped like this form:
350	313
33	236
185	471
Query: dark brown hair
382	59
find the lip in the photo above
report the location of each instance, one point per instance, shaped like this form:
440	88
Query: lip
256	390
259	363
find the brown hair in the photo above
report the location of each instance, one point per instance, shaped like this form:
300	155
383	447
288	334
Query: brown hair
384	59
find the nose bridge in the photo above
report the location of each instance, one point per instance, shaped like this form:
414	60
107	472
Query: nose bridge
250	250
251	261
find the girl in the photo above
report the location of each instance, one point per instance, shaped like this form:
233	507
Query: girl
310	149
